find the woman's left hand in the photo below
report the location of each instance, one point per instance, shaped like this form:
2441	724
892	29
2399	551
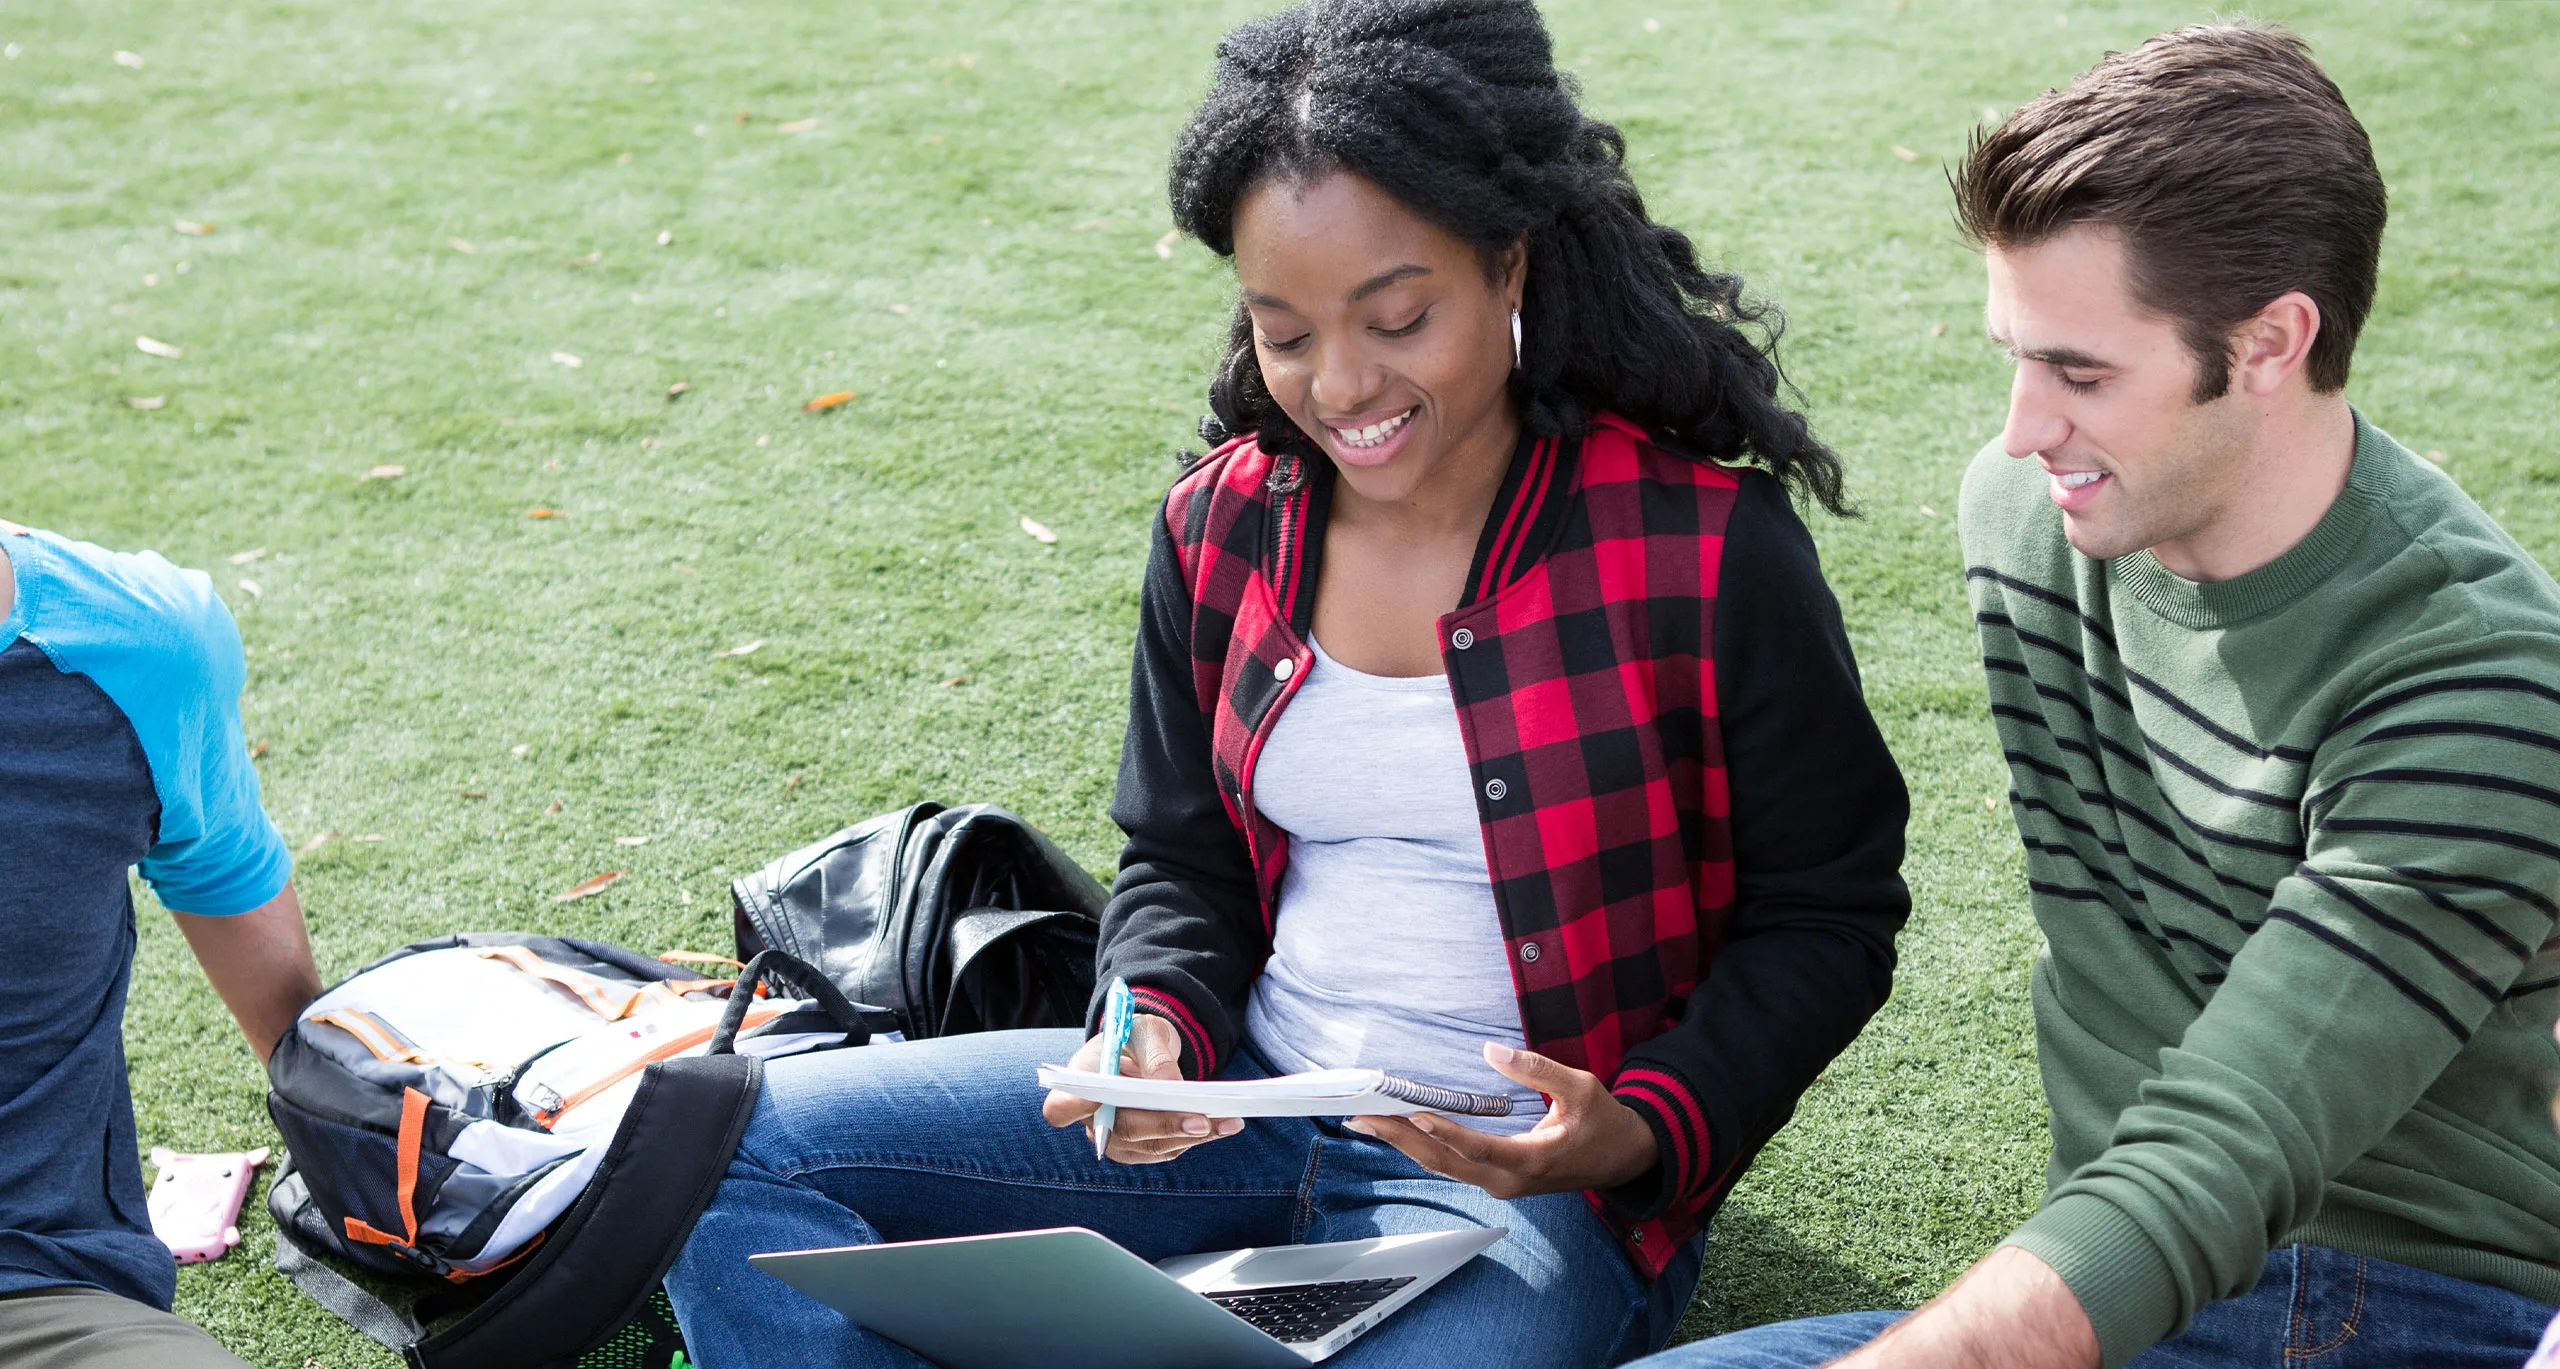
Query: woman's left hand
1588	1139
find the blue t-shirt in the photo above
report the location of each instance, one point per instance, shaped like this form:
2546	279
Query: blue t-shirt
120	746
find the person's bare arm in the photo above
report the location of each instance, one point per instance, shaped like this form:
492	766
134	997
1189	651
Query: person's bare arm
260	962
2010	1311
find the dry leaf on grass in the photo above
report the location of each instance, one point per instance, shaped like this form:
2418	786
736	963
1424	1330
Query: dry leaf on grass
589	259
315	843
146	401
462	245
1937	330
250	588
129	59
569	359
519	748
1039	532
742	649
1089	225
642	78
384	473
825	402
242	558
2436	457
192	228
796	126
898	309
1164	245
258	751
630	841
544	513
155	347
679	388
369	836
1927	512
793	782
955	680
745	114
588	887
475	793
665	236
1905	153
555	807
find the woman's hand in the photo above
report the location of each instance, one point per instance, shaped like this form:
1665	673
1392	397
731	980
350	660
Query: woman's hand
1139	1137
1588	1138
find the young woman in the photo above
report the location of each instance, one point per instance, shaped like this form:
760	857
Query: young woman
1491	722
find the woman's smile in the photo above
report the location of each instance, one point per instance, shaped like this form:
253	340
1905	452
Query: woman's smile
1369	439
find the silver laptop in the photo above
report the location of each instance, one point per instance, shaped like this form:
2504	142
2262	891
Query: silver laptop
1069	1298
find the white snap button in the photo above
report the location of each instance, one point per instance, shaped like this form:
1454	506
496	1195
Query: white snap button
1463	638
1495	789
1528	950
1284	670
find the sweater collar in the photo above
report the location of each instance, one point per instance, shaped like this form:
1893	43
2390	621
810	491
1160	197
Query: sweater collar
1527	511
2372	476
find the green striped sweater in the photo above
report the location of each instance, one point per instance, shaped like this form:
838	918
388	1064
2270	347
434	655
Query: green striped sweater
2294	843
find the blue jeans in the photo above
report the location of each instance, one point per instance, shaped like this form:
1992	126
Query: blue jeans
2313	1308
922	1139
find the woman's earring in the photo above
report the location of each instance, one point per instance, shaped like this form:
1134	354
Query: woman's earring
1515	339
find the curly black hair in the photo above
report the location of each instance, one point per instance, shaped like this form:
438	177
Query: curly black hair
1455	108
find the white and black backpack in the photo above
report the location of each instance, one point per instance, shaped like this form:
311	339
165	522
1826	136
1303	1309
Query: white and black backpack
546	1109
545	1117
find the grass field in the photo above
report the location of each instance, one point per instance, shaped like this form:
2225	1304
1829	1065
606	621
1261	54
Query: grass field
481	247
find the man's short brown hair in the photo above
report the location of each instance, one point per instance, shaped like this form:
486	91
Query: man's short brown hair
2230	164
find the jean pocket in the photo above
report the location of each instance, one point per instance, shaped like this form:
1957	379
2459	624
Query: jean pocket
2329	1304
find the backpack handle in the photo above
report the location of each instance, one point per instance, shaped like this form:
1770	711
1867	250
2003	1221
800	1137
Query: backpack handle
820	989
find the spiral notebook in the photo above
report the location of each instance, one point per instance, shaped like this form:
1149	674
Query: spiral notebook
1318	1093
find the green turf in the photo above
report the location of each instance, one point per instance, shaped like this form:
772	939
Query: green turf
996	170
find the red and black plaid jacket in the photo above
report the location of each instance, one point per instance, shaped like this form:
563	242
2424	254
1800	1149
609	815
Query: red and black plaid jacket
1582	661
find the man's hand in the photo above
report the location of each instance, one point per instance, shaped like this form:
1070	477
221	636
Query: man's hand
1139	1137
1588	1139
260	962
2010	1311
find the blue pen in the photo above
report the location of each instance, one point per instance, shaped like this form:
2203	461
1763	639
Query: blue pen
1119	1015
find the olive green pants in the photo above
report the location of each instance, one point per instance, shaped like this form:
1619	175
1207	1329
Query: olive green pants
84	1328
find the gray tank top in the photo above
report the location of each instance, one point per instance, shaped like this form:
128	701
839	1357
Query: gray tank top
1386	952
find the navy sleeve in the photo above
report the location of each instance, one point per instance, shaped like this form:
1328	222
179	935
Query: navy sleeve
1184	925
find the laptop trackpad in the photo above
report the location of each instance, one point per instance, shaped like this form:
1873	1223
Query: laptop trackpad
1304	1264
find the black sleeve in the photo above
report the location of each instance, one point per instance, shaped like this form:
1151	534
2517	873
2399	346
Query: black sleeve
1184	926
1818	808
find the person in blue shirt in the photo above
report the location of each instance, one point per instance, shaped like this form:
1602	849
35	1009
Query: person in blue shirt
120	747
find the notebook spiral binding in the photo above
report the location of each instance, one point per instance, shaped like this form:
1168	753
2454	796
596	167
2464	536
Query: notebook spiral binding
1438	1099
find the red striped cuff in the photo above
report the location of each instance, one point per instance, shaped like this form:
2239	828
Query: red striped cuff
1195	1038
1666	1102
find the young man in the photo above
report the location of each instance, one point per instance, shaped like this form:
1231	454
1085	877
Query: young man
2281	706
120	746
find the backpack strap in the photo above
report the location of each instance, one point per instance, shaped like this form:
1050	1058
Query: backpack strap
388	1326
767	965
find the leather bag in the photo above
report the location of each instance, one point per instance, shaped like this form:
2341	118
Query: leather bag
934	920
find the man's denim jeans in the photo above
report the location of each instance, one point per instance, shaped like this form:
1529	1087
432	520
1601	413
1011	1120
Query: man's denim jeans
2313	1308
944	1138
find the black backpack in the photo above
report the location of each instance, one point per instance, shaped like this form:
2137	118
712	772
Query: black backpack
927	921
938	920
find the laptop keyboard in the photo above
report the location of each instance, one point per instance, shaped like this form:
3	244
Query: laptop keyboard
1300	1312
